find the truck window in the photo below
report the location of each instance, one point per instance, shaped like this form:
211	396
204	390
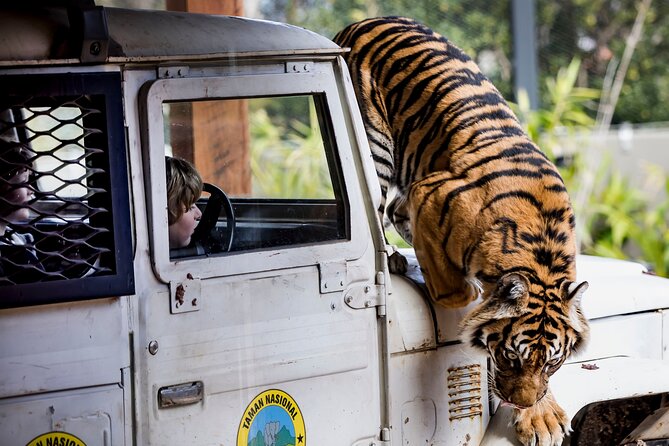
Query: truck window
274	141
64	134
283	192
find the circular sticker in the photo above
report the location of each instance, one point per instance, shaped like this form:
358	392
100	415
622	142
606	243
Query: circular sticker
272	418
56	439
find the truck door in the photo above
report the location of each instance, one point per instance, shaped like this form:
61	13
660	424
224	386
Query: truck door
66	258
247	336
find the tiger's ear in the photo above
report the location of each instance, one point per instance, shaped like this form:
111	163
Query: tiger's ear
510	295
507	300
572	307
575	292
512	287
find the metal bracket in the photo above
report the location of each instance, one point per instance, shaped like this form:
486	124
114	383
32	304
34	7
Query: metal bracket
185	296
89	23
173	72
332	276
366	295
383	440
299	67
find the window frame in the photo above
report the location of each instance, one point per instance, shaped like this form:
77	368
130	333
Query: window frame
320	81
122	282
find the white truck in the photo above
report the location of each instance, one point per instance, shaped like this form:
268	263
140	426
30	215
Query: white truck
281	325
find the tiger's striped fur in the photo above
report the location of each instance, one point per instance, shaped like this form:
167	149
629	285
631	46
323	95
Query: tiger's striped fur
487	212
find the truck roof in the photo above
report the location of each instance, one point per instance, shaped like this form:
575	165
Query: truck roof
33	35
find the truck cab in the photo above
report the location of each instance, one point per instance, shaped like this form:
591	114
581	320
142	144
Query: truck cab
280	324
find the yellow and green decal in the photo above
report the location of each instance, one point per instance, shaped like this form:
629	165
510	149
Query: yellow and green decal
56	439
272	418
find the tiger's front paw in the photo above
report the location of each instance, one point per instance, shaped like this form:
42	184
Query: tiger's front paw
544	424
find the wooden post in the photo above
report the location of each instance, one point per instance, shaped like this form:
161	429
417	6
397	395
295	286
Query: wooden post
224	7
220	146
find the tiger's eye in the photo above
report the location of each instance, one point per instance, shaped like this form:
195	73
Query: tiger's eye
554	361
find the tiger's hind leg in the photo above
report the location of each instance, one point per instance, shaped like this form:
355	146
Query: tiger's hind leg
398	214
448	287
447	279
382	147
382	154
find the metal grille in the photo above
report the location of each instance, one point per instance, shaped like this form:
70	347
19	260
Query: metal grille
69	222
464	392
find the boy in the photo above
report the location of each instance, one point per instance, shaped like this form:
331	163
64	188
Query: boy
18	261
184	187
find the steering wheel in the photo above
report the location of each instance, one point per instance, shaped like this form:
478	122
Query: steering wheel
206	235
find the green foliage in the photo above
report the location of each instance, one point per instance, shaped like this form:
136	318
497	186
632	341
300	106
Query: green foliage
287	157
394	238
566	113
596	32
624	222
620	220
480	27
593	30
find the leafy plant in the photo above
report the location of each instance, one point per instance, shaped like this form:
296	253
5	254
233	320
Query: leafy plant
618	220
626	223
287	158
566	115
393	237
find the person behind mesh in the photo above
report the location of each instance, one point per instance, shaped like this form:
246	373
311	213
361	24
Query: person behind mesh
184	187
18	261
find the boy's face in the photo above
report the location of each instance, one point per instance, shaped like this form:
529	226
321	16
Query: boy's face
181	230
20	196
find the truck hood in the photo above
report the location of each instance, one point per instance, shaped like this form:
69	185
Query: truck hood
616	288
619	287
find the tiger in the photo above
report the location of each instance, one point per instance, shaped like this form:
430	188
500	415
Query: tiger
486	211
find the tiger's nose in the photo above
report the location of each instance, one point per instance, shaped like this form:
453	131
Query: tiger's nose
523	392
523	398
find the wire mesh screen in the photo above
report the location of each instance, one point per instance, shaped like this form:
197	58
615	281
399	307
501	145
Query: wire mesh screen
61	150
63	231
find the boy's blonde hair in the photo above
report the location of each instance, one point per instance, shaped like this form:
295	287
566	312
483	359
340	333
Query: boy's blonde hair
184	187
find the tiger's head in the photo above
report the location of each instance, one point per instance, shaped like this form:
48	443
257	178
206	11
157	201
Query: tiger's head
528	331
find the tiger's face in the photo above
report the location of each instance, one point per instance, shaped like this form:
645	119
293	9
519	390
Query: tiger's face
528	331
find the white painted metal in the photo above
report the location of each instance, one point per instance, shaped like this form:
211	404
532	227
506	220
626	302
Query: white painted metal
62	347
164	37
619	287
665	335
270	319
96	414
576	386
427	404
410	317
621	335
250	339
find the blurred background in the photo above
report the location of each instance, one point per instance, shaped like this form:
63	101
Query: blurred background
589	79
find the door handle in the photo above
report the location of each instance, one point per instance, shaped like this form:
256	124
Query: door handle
180	394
